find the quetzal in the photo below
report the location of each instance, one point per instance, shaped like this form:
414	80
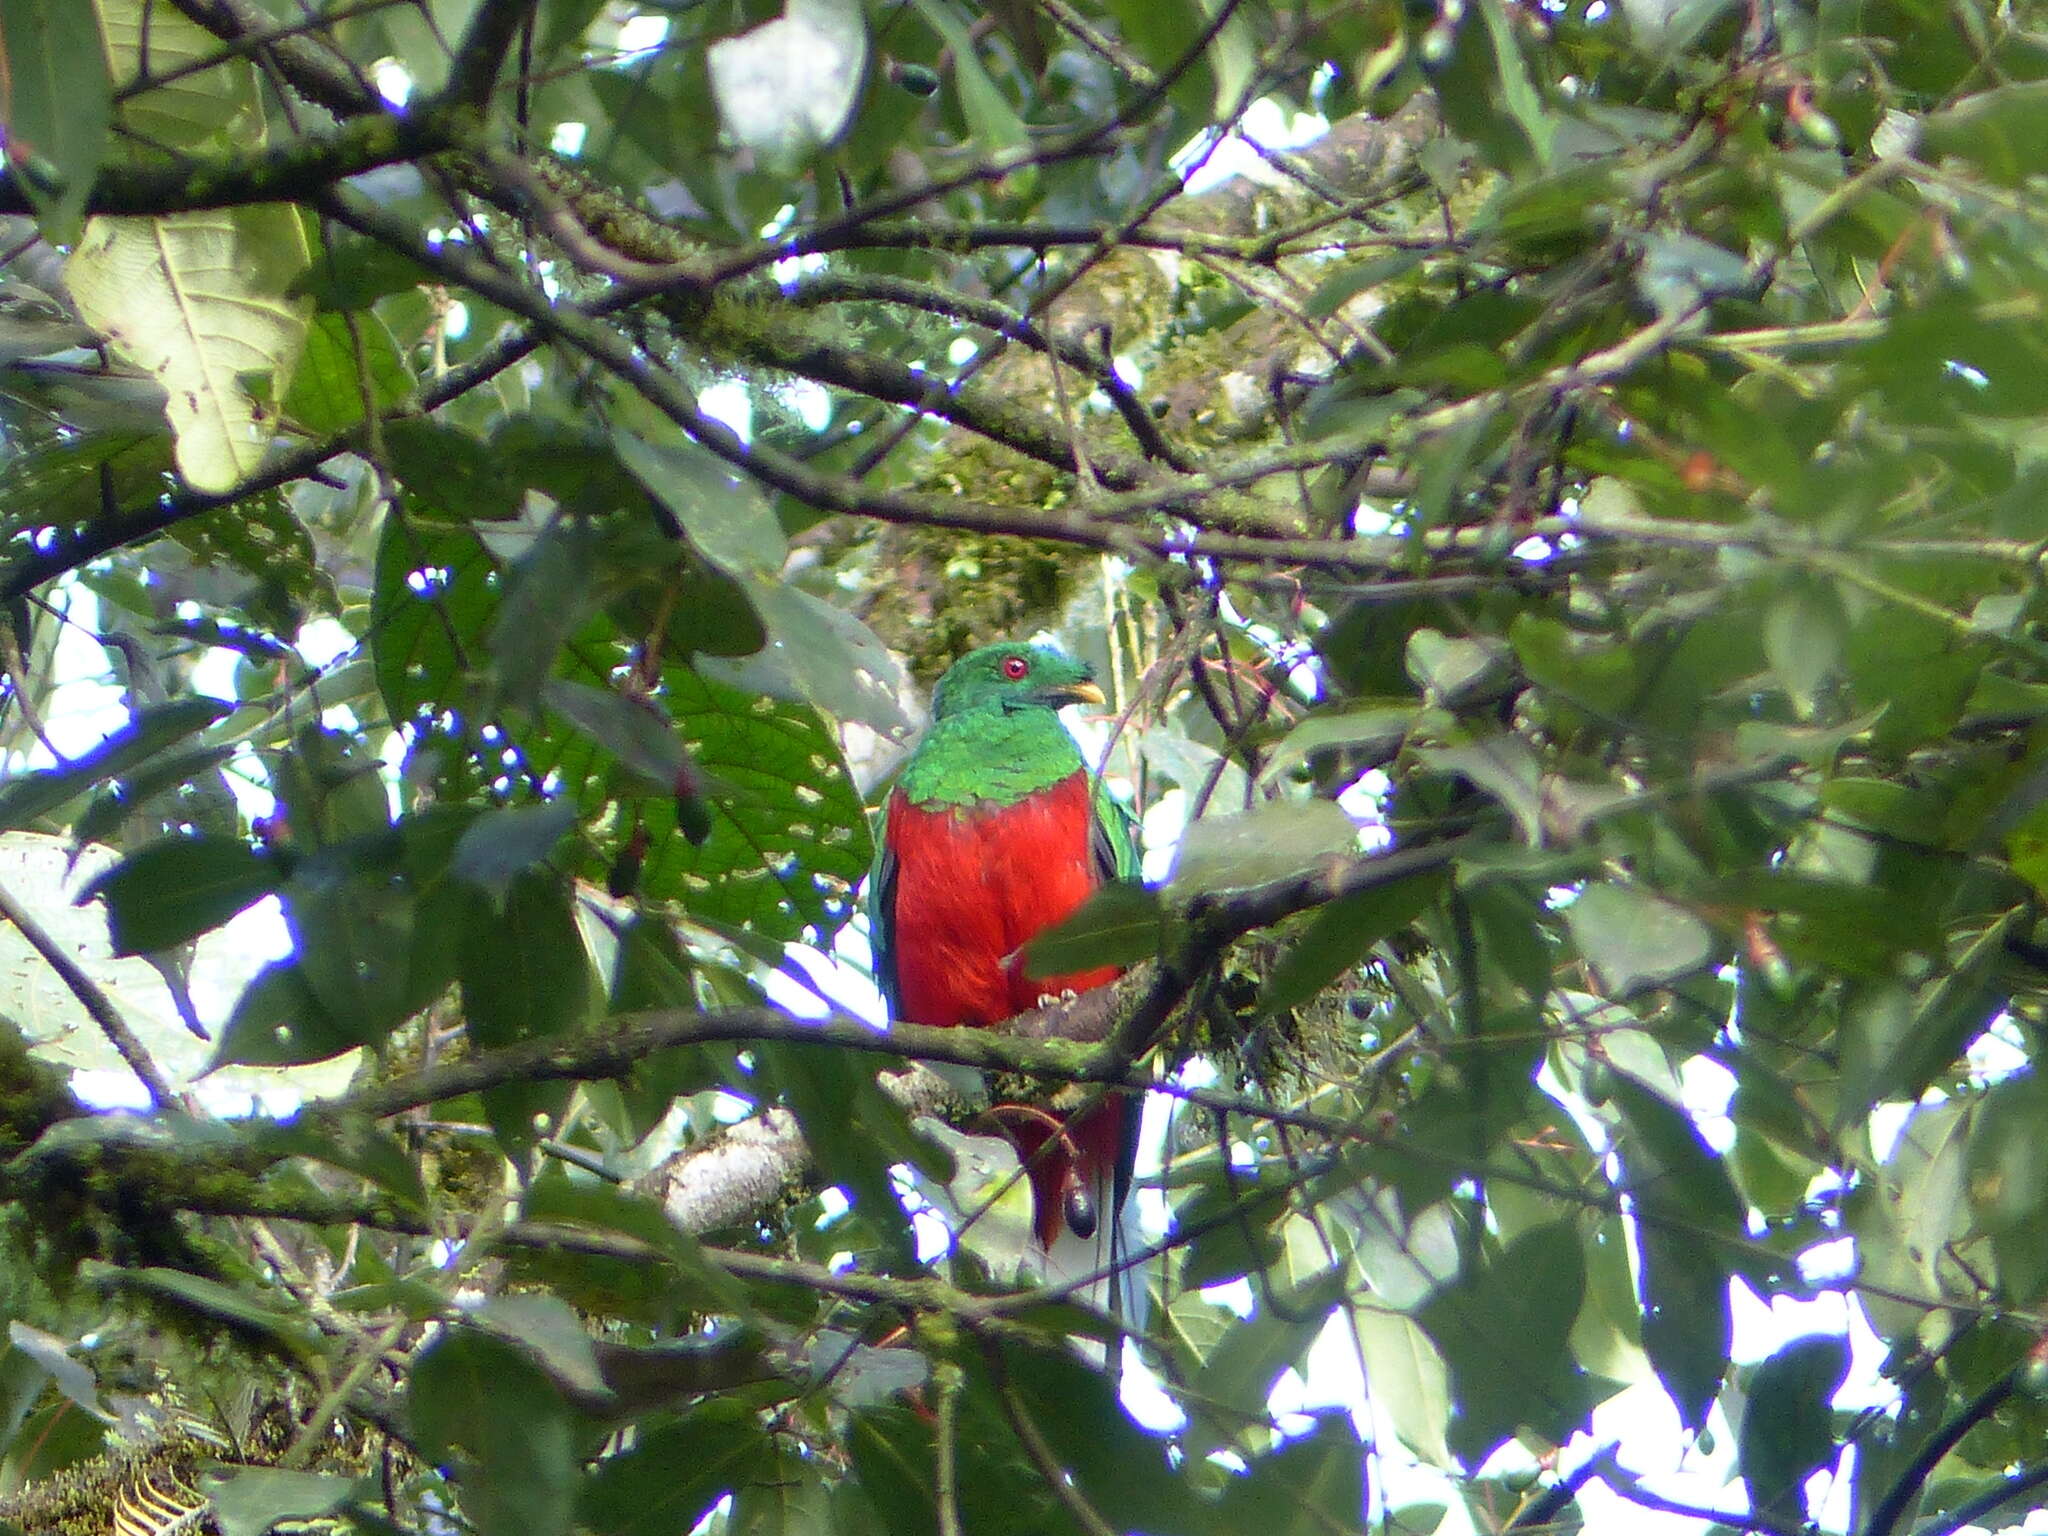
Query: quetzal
996	830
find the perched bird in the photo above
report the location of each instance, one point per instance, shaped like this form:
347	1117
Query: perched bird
995	831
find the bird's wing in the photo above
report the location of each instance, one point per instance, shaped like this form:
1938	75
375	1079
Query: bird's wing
1113	836
881	906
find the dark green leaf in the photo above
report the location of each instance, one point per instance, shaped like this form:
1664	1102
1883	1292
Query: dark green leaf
278	1022
1504	1334
1313	1484
1788	1431
548	596
59	105
349	359
1684	1199
480	1399
672	1473
172	891
219	1303
500	845
639	735
1120	924
25	797
1342	934
525	975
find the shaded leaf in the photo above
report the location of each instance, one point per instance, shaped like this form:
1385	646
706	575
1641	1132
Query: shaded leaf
173	890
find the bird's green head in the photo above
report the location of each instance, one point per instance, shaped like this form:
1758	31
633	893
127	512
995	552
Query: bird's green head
1012	677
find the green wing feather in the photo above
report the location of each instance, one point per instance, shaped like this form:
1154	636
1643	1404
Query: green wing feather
1114	839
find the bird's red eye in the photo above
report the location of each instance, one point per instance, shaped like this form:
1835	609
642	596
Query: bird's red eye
1015	667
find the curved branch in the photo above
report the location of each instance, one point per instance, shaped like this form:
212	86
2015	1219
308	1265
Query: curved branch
286	173
879	288
1905	1488
974	410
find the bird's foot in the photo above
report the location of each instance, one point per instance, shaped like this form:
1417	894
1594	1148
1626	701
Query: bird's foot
1047	999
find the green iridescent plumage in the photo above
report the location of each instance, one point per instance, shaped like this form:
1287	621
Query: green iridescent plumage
997	737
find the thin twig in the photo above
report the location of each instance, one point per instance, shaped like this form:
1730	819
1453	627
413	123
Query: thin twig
95	1002
949	1379
1033	1441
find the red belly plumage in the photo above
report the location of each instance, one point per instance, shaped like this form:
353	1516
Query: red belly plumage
973	885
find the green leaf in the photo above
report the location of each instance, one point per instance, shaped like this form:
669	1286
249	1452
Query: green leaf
201	94
818	654
558	1199
673	1473
727	520
59	105
220	1303
502	844
1896	1041
1804	632
480	1397
854	1130
1342	934
2003	132
250	1500
1373	731
1286	838
451	477
1504	1334
1788	1430
1597	675
361	1147
1407	1379
1164	36
639	735
352	273
171	891
525	975
548	1330
53	1356
2008	1181
1119	924
1635	938
548	596
198	301
788	839
26	797
994	123
1123	1471
279	1022
1503	766
1240	1371
1684	1199
356	930
1311	1485
347	358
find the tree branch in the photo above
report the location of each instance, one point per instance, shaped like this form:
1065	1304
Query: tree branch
290	172
94	1001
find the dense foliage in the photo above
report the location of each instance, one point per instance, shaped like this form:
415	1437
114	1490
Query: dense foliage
1556	503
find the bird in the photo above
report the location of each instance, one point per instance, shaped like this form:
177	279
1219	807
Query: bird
994	831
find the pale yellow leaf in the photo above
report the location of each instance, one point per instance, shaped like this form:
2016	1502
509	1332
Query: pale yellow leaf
146	39
197	301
